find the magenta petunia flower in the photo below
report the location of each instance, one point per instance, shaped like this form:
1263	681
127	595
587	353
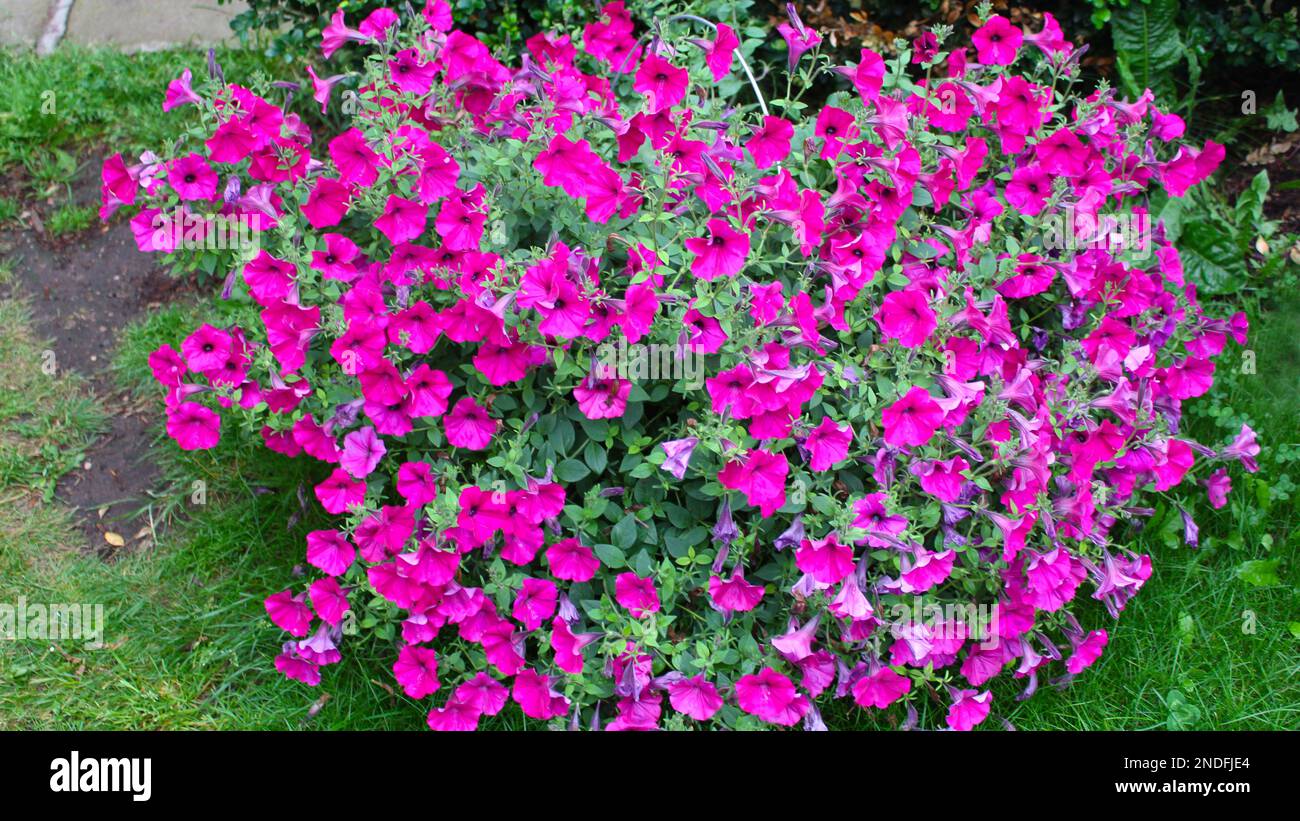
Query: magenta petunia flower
828	444
416	670
721	254
602	398
968	708
771	697
719	54
362	450
734	594
193	426
330	551
638	595
798	38
340	492
416	483
826	560
696	697
661	83
1217	488
880	689
770	143
535	603
533	693
997	41
402	221
469	426
761	477
836	127
1086	652
357	162
180	92
912	420
329	600
907	317
290	613
571	560
328	201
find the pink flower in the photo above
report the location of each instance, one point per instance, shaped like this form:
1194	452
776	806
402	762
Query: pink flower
535	603
1086	652
836	127
798	39
337	33
997	41
416	670
761	477
661	83
357	162
416	483
1217	487
168	367
568	647
907	317
968	708
330	551
695	697
402	221
328	599
362	450
772	697
193	426
770	143
180	93
339	492
826	560
828	444
880	689
571	560
602	398
719	54
327	203
533	693
721	254
192	178
469	426
942	480
288	612
638	595
912	420
868	75
735	594
1029	189
207	349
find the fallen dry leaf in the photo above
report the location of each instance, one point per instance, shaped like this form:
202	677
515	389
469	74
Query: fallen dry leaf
114	539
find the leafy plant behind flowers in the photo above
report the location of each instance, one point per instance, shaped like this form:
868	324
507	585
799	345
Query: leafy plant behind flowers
925	422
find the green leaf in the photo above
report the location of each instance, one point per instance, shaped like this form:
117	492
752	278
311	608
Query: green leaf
1183	714
1147	44
571	470
1250	206
595	457
1259	572
610	556
1211	257
624	533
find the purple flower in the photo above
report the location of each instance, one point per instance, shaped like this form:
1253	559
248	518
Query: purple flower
679	455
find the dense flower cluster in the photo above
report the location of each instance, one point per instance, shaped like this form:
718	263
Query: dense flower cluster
927	419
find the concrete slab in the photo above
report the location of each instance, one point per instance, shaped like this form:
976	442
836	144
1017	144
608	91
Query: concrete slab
144	25
22	21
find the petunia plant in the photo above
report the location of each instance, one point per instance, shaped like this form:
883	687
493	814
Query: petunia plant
647	396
